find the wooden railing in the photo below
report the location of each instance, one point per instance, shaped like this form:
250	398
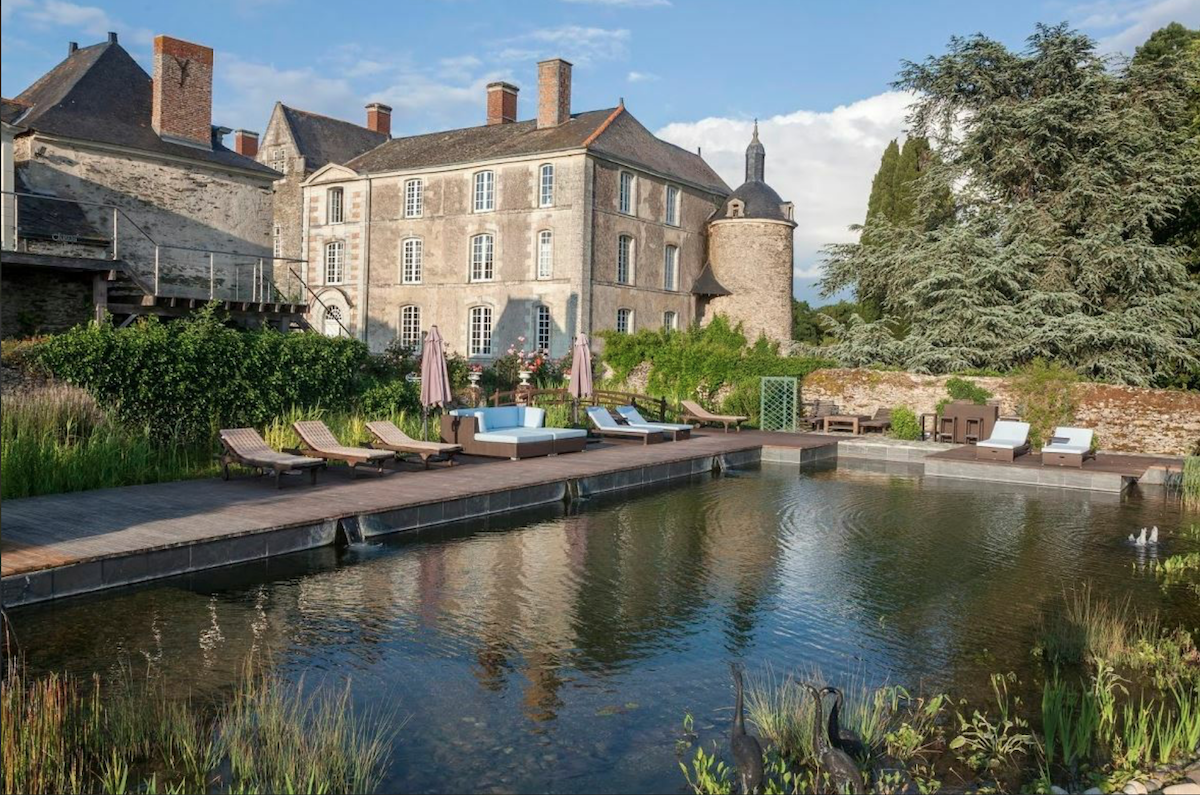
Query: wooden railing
600	397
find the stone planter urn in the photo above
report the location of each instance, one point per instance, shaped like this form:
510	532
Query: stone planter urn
524	374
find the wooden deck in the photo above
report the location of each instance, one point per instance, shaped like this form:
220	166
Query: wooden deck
1131	466
62	531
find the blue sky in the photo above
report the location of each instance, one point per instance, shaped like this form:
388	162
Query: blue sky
697	72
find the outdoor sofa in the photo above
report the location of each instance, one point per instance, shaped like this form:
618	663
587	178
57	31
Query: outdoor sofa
318	441
1068	447
676	431
389	437
1009	439
246	447
604	425
694	411
509	432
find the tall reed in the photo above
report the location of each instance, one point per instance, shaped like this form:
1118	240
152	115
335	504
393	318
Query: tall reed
1190	485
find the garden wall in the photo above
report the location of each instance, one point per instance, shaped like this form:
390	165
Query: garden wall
1129	419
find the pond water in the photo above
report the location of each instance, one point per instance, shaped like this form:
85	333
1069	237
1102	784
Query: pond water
555	651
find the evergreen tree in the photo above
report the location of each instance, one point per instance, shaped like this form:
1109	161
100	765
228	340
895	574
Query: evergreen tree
1063	169
882	199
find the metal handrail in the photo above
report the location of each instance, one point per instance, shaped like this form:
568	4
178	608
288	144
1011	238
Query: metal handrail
317	298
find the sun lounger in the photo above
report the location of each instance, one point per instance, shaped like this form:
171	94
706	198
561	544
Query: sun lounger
694	411
1009	439
319	441
880	422
606	426
389	437
1068	447
245	447
675	430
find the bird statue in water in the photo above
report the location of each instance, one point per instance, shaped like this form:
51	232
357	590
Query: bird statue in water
842	739
1142	540
747	753
835	763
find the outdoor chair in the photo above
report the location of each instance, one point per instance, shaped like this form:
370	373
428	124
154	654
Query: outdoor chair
316	439
814	419
675	430
389	437
880	422
694	411
245	447
1008	440
1068	447
604	425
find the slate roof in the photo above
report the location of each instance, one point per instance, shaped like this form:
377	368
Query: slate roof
322	140
10	110
610	131
760	201
99	93
706	283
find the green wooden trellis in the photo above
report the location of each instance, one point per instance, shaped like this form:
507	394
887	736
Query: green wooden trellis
779	399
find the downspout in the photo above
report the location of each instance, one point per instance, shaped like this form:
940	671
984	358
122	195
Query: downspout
364	273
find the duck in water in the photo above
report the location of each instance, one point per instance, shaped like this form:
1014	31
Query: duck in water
835	763
843	739
747	753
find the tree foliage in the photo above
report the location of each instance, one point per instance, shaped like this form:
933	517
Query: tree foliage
1064	165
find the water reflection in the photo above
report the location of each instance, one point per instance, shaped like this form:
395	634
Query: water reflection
559	651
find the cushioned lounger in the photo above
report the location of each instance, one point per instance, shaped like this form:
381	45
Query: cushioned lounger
604	425
1068	447
1009	439
677	431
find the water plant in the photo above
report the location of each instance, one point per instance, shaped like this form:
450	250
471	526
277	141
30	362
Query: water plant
1070	721
1190	484
990	743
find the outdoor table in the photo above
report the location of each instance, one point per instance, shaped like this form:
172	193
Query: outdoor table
844	422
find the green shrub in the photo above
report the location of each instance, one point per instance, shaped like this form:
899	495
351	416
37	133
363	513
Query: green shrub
962	389
905	424
1044	397
391	397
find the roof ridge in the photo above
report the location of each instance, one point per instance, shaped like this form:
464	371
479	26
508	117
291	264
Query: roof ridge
603	125
324	116
481	126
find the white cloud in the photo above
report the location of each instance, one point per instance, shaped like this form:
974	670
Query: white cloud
1121	27
623	3
91	20
821	161
641	77
245	92
579	44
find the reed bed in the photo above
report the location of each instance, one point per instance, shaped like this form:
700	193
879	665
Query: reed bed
1190	485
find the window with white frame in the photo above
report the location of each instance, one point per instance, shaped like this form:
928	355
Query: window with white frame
485	191
414	198
479	335
335	209
483	253
279	160
672	205
546	186
670	321
625	259
670	267
542	331
277	241
410	327
332	322
625	193
333	262
625	321
412	258
545	254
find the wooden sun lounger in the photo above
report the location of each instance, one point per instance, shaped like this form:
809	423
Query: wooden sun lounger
245	447
694	411
389	437
316	439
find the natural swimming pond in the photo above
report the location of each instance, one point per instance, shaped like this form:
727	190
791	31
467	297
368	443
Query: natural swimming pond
553	651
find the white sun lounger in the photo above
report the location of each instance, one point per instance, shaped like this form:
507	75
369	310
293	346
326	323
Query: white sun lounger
676	430
1068	447
1009	439
605	425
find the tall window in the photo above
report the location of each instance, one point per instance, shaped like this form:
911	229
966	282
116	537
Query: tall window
333	262
670	321
483	251
331	322
542	337
546	191
625	259
335	212
479	337
414	198
413	256
672	205
545	258
410	327
279	160
625	321
277	241
625	197
670	267
485	191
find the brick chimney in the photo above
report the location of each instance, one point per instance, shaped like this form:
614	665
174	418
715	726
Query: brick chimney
501	103
182	103
245	143
554	93
379	118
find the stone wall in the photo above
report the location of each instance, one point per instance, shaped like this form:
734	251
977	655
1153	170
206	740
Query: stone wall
753	260
1127	419
37	301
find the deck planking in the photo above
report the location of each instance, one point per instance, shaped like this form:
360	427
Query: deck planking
1131	466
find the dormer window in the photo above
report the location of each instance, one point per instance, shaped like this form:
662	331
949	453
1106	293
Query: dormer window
737	209
789	211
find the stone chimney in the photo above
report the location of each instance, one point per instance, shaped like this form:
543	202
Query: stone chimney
554	93
379	118
72	48
182	88
501	103
245	143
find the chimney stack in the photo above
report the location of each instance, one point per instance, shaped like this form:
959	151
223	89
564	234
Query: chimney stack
554	93
379	118
72	46
501	103
245	143
112	37
182	92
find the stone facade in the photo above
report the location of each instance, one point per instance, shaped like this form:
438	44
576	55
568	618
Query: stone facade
277	149
35	301
1125	419
752	258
